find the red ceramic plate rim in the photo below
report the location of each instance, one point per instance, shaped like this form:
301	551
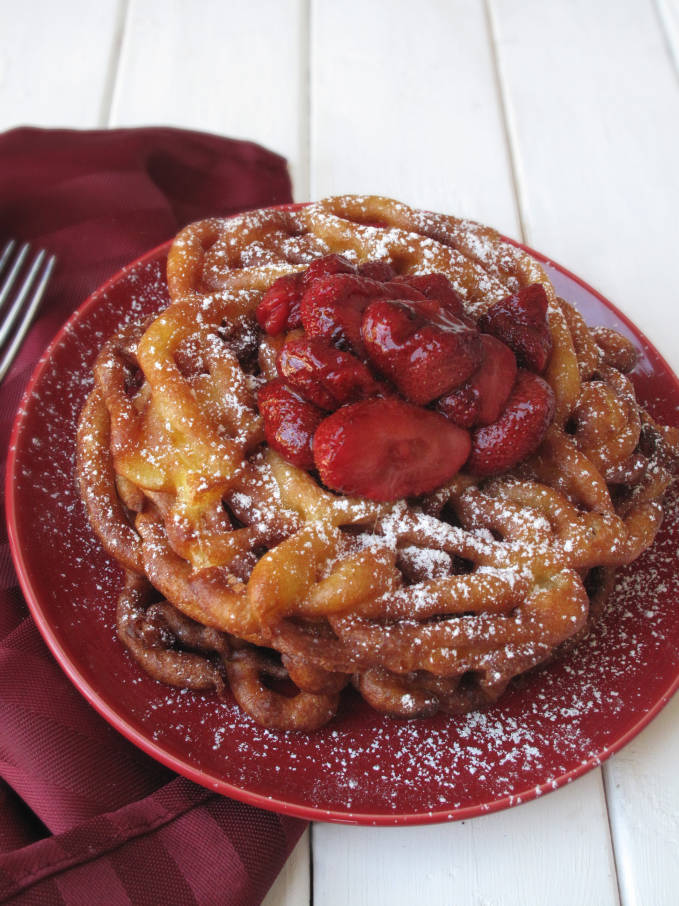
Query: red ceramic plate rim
119	722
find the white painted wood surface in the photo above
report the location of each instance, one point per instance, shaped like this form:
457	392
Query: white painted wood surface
57	64
668	10
558	122
239	69
535	853
414	94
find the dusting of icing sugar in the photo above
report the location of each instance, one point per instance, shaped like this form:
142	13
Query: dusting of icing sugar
555	722
551	724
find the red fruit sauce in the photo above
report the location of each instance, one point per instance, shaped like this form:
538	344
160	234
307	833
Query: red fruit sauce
380	391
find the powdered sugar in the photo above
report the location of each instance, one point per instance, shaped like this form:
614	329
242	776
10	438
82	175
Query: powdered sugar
551	726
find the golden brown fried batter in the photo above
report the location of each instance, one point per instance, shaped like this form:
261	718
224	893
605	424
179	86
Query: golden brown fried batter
244	569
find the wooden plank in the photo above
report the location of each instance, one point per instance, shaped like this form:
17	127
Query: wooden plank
553	850
668	10
205	65
643	795
56	66
596	140
404	104
293	885
407	105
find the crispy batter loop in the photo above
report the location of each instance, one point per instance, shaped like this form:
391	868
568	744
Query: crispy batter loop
243	569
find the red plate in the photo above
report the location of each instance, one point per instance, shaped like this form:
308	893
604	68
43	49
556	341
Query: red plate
364	768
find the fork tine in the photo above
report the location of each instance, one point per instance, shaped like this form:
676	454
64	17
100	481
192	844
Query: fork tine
12	316
8	283
30	311
6	252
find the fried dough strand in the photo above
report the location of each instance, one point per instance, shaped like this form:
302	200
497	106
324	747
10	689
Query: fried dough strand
241	569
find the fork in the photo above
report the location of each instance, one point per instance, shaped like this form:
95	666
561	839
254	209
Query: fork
22	287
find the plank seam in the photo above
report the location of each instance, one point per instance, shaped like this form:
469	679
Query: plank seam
663	16
311	864
511	141
113	69
305	102
611	832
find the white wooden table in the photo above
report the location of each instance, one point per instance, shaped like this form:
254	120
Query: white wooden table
557	122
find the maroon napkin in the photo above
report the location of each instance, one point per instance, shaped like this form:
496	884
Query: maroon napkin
85	817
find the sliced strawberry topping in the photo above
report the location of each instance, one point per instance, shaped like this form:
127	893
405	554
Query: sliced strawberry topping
278	309
323	374
388	449
377	270
461	405
489	386
494	379
424	358
437	287
408	293
289	422
326	267
518	431
520	321
414	331
333	306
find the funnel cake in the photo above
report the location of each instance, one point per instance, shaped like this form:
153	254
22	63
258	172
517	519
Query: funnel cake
248	568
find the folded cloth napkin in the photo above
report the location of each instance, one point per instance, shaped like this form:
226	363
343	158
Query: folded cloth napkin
85	817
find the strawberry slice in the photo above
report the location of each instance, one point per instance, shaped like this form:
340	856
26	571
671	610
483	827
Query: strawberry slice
461	405
436	287
324	375
423	357
325	267
381	271
520	321
494	379
385	449
278	308
289	422
332	307
518	431
489	387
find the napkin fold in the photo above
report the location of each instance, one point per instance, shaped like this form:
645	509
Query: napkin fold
84	815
